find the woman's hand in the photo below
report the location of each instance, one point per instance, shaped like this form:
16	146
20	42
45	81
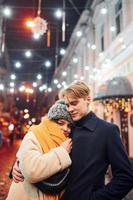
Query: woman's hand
67	145
16	173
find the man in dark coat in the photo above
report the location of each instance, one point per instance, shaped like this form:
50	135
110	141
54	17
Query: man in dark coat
96	145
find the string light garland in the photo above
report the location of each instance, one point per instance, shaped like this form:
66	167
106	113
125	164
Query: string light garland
121	103
124	105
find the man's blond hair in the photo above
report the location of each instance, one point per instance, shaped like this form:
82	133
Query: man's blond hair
78	89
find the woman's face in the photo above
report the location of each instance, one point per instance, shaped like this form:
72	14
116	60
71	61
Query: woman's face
65	126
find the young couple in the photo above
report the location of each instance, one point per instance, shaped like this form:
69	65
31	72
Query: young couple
95	145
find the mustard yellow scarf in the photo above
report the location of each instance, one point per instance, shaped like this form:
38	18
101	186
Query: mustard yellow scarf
49	135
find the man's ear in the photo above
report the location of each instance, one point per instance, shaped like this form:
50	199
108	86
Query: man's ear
88	99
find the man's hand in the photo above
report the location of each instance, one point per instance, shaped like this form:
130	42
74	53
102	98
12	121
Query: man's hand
16	173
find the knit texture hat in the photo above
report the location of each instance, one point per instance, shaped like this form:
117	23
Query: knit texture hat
59	111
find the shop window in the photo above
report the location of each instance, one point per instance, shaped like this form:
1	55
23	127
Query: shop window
118	16
102	47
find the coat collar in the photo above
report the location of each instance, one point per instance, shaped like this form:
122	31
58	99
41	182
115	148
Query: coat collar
89	122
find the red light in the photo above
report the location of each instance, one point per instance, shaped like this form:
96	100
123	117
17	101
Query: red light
29	23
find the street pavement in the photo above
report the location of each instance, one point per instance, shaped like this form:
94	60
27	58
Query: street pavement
7	157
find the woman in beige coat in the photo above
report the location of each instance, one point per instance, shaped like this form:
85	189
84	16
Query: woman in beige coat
36	165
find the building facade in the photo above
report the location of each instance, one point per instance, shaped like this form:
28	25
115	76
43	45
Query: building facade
101	53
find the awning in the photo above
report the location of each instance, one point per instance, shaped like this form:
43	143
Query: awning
117	87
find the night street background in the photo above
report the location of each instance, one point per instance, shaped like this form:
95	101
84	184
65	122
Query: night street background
7	157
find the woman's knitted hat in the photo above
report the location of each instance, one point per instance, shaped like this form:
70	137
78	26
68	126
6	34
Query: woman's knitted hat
59	111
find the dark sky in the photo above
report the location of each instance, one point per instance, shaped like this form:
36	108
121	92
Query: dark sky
19	38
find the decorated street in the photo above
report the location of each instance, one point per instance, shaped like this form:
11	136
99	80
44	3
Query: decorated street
7	157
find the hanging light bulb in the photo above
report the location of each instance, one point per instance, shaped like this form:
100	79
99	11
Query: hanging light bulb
63	22
48	37
40	25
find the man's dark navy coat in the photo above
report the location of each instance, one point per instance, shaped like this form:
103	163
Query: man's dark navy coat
96	145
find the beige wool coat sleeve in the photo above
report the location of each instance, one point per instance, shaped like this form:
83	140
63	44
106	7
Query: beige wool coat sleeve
35	165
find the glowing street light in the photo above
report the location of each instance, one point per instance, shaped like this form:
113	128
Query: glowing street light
29	90
11	127
26	110
58	13
18	64
104	11
59	86
26	116
13	76
93	46
75	60
12	84
1	86
30	23
33	120
64	73
28	54
75	76
34	84
79	33
112	29
39	76
47	63
22	88
7	12
55	81
49	89
36	36
62	51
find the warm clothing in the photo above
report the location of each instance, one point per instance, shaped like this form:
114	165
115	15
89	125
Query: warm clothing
96	144
59	111
53	136
37	166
